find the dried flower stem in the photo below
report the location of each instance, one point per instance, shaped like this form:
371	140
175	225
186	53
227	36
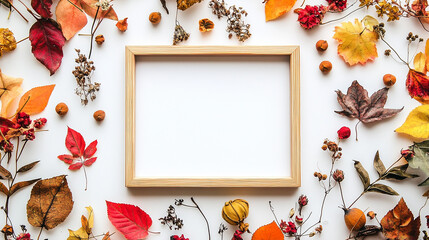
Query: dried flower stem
12	6
180	203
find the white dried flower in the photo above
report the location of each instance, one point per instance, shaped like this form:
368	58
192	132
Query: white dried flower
104	4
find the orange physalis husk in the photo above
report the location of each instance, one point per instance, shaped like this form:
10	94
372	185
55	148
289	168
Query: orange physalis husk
206	25
122	25
276	8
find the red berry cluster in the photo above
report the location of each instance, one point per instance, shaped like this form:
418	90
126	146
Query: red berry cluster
23	119
39	123
175	237
311	16
288	227
237	235
23	236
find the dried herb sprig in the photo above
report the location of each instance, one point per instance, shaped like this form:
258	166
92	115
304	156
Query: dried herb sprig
171	220
222	229
180	202
180	34
83	71
234	15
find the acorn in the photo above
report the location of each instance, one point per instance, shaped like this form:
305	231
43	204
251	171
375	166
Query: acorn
62	109
235	211
354	218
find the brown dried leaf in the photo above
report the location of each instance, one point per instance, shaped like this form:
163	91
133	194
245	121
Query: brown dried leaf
363	174
106	236
122	25
28	167
15	187
4	173
378	164
185	4
4	189
357	104
50	202
399	224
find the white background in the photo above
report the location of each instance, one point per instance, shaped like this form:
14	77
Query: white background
318	102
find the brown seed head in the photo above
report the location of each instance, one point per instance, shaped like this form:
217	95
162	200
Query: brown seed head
325	66
389	80
99	115
321	45
62	109
155	17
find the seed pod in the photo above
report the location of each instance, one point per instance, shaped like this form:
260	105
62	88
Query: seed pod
321	45
325	66
99	115
234	212
61	109
155	17
389	80
354	218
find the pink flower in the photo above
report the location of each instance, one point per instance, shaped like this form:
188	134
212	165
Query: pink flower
344	133
311	16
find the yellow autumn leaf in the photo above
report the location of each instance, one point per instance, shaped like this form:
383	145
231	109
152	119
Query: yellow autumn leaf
90	220
7	41
420	62
356	43
86	229
369	22
417	123
427	53
276	8
79	234
10	88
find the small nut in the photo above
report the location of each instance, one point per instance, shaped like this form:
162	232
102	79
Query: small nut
155	17
99	39
325	66
99	115
389	80
321	45
61	109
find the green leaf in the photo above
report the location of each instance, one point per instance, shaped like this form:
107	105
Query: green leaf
378	165
381	188
399	173
363	174
421	157
424	183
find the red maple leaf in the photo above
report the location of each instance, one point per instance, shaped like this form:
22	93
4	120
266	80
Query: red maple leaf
418	86
130	220
80	156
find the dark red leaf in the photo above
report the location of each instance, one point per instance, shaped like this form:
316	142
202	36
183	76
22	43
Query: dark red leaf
76	166
42	7
75	143
90	150
47	43
130	220
90	161
66	158
418	85
6	123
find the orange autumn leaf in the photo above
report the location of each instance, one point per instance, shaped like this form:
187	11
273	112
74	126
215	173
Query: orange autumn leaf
10	88
90	7
35	100
122	25
276	8
70	17
399	223
268	232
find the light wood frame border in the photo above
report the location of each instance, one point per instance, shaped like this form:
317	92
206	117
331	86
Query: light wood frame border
131	52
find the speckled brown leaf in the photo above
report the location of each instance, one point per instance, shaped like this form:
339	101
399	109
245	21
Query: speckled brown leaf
4	189
50	202
19	185
4	173
363	174
357	104
400	224
28	167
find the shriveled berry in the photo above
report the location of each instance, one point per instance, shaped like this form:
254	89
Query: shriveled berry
325	67
155	17
99	39
389	80
62	109
99	115
321	45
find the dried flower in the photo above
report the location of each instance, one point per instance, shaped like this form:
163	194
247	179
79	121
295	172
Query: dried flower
325	66
180	34
7	41
185	4
82	73
338	175
171	220
218	8
288	228
99	39
29	134
298	219
337	5
175	237
6	146
206	25
311	16
302	200
344	133
291	212
319	229
23	119
321	45
24	236
40	122
99	115
407	154
104	4
7	230
237	235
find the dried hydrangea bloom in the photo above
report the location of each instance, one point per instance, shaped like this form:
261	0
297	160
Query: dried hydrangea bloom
104	4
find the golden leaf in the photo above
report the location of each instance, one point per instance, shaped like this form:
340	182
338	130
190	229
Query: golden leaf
185	4
79	234
7	41
356	43
369	22
10	88
86	229
417	123
276	8
35	100
420	62
268	232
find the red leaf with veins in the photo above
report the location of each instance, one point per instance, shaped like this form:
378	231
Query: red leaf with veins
42	7
47	43
75	143
76	166
66	158
90	161
418	86
90	150
130	220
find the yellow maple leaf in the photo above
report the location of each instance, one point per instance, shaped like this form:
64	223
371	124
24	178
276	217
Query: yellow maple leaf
86	229
10	88
420	62
417	123
276	8
356	42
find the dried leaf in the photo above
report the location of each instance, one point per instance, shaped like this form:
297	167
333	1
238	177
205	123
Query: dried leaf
89	6
10	88
47	43
381	188
164	5
42	7
276	8
76	166
36	99
185	4
399	173
6	3
130	220
71	17
4	173
424	183
356	43
421	158
107	235
122	25
399	224
417	123
7	40
357	104
418	86
4	189
50	203
268	232
90	150
378	164
427	53
89	162
86	229
369	22
28	167
420	63
363	174
17	186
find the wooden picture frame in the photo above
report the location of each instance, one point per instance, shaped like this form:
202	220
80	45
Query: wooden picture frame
131	52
